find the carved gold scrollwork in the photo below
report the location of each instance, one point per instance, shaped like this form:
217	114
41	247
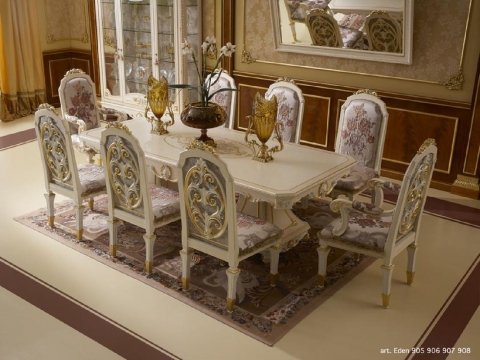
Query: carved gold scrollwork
415	195
455	82
123	173
247	57
54	149
205	199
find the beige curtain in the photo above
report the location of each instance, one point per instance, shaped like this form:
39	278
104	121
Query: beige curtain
22	85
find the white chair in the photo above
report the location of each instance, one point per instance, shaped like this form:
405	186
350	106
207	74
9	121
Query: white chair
297	11
361	134
291	104
210	222
384	33
62	175
223	89
78	101
369	230
130	198
325	31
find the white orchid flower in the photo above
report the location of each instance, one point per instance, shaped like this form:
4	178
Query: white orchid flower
228	49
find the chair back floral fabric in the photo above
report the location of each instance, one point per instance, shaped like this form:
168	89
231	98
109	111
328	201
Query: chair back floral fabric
226	99
78	98
290	108
362	128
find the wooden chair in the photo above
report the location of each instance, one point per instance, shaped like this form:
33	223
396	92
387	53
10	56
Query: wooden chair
210	222
227	99
78	101
291	104
62	175
384	33
130	198
361	134
369	230
324	31
297	11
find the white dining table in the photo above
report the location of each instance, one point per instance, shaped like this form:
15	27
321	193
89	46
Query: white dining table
271	188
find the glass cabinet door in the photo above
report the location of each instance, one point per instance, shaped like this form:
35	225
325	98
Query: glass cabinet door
166	40
193	35
110	46
137	45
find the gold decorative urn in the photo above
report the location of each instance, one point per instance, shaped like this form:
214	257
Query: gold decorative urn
158	102
263	123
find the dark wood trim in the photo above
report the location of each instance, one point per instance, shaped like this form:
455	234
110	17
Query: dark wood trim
228	30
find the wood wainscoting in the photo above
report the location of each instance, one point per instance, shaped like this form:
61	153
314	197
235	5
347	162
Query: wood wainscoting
411	121
57	63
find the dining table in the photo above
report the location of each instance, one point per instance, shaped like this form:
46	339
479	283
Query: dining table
269	190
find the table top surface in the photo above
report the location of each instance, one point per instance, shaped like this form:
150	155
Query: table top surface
295	171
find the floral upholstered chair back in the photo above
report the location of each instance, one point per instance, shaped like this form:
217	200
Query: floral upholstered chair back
361	129
226	99
290	108
384	33
56	149
125	172
78	98
207	200
297	11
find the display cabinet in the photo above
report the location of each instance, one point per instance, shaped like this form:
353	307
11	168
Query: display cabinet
137	38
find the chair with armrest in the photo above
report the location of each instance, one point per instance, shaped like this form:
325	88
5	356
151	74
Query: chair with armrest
324	31
297	11
210	222
130	197
291	104
62	175
222	87
384	33
361	134
78	101
369	230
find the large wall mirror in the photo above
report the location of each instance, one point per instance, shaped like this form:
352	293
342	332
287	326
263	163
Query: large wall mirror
376	30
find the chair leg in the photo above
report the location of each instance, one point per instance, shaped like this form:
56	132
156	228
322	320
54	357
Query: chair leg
387	283
294	32
149	242
50	197
186	255
274	259
113	235
323	251
232	275
79	210
412	256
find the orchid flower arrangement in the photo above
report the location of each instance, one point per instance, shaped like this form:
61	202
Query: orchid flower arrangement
208	47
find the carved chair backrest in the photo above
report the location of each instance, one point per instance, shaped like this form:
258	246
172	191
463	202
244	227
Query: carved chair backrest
384	33
297	10
78	97
323	28
362	127
291	104
412	196
56	149
226	99
125	173
207	201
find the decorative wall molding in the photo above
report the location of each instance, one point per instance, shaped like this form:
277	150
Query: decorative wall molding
67	30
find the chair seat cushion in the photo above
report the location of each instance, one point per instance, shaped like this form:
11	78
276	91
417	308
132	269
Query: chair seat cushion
92	179
253	233
315	211
363	231
357	179
165	202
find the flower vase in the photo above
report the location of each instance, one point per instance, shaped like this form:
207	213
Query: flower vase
202	117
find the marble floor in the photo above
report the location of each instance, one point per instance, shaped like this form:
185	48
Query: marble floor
142	323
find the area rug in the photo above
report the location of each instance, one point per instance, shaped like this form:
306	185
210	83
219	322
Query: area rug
263	312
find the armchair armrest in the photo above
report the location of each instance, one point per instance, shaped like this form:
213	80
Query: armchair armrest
377	186
109	114
346	207
76	125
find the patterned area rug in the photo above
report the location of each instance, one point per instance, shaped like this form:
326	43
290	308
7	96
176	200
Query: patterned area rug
263	312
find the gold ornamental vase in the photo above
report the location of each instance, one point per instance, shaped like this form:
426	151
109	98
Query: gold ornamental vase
157	103
263	123
203	117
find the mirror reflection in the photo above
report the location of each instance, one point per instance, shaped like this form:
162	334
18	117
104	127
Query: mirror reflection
373	26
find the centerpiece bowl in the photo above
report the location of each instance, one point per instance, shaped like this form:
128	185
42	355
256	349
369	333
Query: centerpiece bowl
203	117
